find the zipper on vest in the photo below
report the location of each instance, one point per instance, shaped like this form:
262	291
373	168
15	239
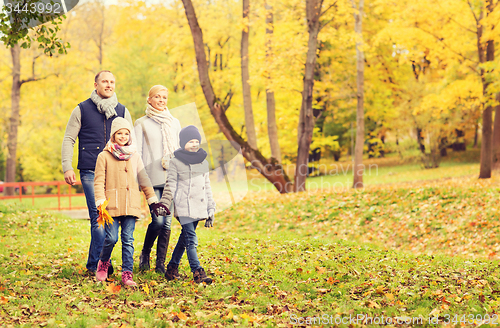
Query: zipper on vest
105	132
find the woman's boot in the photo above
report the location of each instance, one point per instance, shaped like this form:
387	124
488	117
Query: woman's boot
161	250
149	240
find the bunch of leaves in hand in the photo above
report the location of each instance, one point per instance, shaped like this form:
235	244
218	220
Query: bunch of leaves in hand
104	217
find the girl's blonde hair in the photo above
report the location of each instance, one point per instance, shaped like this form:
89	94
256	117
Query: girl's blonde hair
156	89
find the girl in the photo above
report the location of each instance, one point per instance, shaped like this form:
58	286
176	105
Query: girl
118	173
158	137
193	201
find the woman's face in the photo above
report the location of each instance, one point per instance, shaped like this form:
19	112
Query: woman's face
159	100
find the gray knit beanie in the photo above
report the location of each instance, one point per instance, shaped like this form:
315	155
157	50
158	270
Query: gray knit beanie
188	133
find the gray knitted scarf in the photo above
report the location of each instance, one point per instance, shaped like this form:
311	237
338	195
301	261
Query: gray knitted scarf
105	106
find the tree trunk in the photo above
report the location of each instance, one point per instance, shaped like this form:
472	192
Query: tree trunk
272	127
476	133
10	173
496	136
486	145
487	133
245	76
271	171
307	119
360	114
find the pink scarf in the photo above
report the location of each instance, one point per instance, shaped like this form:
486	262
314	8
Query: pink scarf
122	153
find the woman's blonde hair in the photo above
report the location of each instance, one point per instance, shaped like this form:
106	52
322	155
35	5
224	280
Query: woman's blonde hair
156	89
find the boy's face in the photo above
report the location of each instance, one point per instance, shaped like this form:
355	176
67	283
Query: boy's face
122	137
192	145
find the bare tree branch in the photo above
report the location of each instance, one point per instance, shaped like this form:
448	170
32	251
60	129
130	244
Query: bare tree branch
447	46
33	64
326	23
354	5
31	79
456	22
330	6
227	100
473	13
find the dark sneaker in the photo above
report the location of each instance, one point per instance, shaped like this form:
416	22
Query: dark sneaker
172	273
200	276
110	269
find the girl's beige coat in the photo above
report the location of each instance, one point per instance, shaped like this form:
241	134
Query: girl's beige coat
119	182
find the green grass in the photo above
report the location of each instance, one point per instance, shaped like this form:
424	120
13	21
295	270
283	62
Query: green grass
47	202
405	253
408	247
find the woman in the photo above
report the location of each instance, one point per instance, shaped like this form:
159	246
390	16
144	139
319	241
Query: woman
157	138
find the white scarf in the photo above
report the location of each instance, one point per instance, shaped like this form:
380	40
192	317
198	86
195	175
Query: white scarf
105	106
166	120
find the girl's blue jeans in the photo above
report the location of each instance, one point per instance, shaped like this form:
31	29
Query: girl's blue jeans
187	241
127	224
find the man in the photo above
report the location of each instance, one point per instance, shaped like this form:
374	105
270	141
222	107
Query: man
90	121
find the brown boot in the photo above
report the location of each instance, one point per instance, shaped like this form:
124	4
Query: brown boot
161	250
172	273
200	276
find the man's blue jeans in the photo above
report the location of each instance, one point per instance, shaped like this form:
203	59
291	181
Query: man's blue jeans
187	241
127	235
97	233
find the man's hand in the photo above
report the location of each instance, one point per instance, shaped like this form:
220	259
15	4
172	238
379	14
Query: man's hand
69	177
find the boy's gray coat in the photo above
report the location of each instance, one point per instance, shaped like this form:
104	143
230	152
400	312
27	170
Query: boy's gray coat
188	186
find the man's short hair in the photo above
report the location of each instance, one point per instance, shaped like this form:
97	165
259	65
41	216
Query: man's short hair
97	76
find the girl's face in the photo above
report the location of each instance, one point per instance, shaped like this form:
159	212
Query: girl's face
192	145
122	137
159	100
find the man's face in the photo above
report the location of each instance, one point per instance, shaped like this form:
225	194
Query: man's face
105	85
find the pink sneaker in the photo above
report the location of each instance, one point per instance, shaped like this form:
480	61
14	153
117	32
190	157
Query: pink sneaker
127	279
102	270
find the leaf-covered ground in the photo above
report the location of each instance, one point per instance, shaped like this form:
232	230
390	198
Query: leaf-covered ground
409	255
457	216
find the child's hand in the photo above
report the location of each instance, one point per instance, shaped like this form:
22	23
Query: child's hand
209	223
104	216
159	209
